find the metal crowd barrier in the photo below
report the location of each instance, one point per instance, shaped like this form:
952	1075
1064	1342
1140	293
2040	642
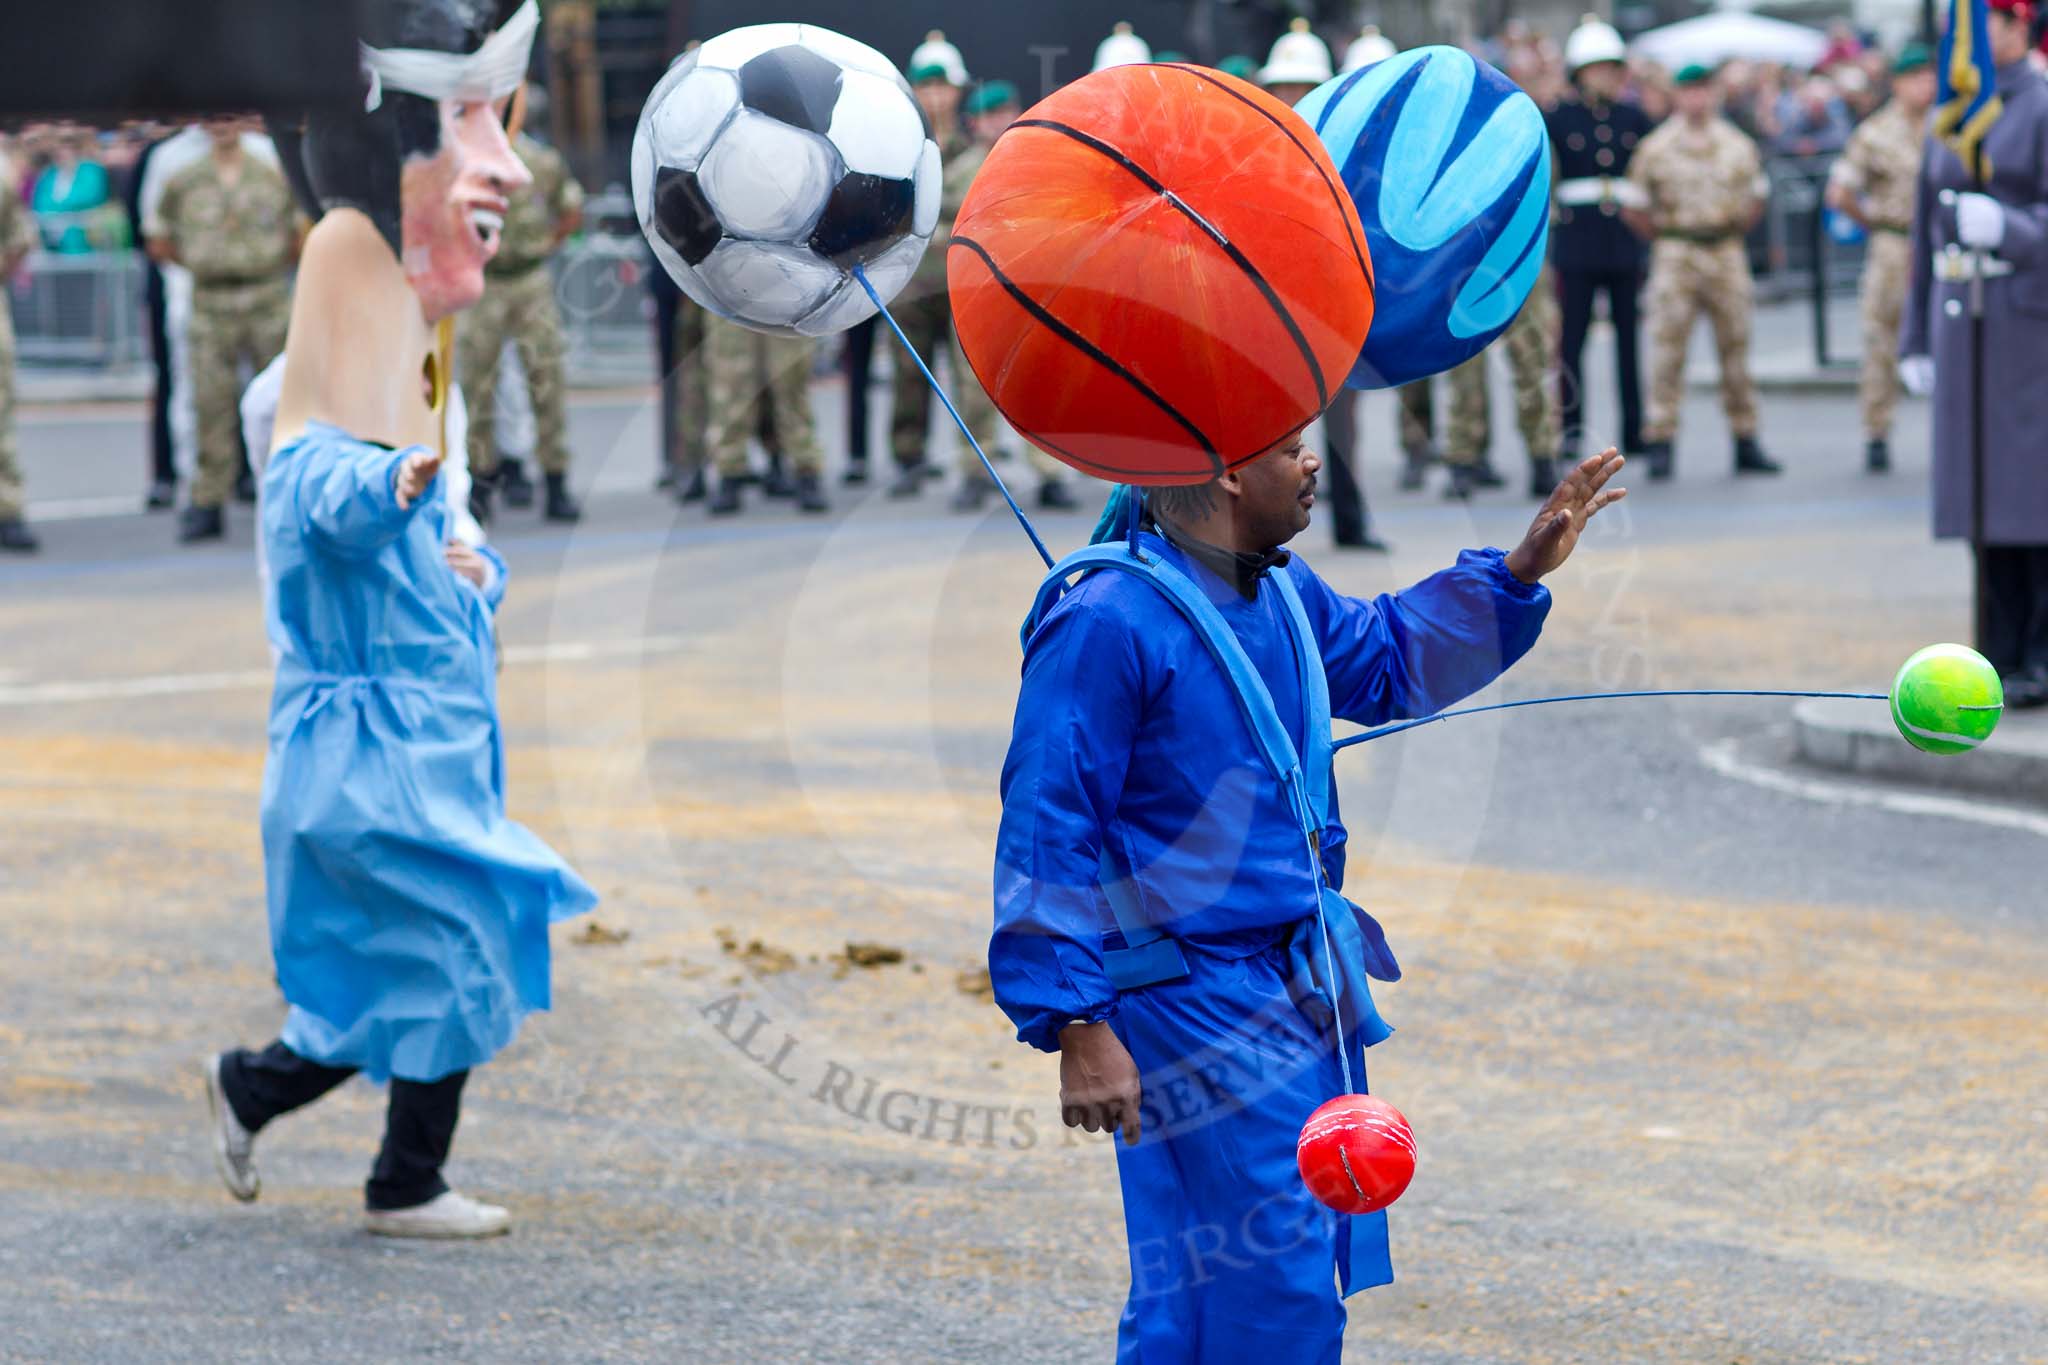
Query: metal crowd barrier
80	311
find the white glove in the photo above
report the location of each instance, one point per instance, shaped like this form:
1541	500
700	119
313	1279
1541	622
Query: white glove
1916	372
1980	221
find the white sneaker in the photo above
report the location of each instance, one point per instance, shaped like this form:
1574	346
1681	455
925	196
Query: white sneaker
234	1147
448	1215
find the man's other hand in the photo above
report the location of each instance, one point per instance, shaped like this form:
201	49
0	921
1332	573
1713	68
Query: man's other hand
415	472
1099	1088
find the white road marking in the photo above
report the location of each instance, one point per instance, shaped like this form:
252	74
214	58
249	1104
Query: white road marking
1721	757
78	509
185	684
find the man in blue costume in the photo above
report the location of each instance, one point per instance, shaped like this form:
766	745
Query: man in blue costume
409	917
1166	907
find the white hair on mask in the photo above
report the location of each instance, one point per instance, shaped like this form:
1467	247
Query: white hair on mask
492	72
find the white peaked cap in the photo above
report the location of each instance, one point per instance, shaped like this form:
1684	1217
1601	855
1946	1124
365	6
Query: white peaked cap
1368	47
1594	40
1121	48
936	51
1298	58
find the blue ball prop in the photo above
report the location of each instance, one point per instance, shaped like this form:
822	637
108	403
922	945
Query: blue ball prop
1449	165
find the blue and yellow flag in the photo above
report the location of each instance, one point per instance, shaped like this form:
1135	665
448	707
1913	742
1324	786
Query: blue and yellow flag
1967	104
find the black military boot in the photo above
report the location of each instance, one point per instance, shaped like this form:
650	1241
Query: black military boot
810	493
726	501
693	490
973	494
1657	455
15	536
201	523
1877	457
1464	482
910	480
245	487
1055	496
517	488
1415	462
1542	477
560	506
1484	475
1750	458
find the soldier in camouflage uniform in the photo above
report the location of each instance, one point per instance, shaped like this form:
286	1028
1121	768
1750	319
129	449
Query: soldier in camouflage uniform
519	306
1531	345
16	237
745	369
1874	183
1703	188
230	219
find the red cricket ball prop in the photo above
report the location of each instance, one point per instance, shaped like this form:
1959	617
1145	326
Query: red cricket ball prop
1356	1154
1158	274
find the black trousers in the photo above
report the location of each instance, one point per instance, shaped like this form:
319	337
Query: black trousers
2014	631
860	359
1350	518
667	304
419	1123
162	467
1576	291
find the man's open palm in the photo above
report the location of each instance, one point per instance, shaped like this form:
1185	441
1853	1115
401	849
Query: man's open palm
1555	532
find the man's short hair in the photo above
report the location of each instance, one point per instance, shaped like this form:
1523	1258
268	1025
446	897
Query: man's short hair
1182	502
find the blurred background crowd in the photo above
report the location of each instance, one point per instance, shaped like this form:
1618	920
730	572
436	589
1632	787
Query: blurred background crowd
132	288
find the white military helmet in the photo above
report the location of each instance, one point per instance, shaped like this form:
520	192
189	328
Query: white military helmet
1298	58
1594	40
1121	48
1368	47
935	51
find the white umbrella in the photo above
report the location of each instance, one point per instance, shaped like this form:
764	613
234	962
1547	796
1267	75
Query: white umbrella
1715	38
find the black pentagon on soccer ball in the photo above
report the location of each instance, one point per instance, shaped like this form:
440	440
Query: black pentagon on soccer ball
793	84
683	216
866	215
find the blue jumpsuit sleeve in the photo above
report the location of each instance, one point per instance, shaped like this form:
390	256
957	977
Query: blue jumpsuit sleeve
1413	653
1077	721
494	586
348	501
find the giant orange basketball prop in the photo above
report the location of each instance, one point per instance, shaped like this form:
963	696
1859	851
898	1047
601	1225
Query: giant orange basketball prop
1158	275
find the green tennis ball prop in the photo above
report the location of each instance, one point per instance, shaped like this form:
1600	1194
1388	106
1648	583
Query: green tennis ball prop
1947	699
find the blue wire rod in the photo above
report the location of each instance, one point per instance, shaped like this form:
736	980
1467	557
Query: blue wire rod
1398	726
860	273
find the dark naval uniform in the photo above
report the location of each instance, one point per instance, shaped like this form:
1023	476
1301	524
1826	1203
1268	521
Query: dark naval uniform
1593	251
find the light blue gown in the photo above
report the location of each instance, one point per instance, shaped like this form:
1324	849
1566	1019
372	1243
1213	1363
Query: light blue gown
1130	758
408	916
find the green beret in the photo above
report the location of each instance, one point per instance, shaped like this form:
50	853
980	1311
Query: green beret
1244	68
991	95
1169	55
1912	57
1692	73
930	71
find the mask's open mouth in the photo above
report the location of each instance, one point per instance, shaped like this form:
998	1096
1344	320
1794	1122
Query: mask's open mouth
487	225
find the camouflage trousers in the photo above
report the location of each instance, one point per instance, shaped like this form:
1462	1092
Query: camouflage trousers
1531	345
1887	273
745	369
1686	279
520	309
232	325
11	493
688	443
1418	416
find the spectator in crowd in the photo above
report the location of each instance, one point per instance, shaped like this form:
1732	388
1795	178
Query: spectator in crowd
519	308
70	195
1810	121
230	219
1702	188
16	236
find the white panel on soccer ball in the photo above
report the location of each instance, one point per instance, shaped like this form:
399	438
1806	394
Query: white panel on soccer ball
851	53
876	127
891	270
845	308
733	49
684	123
924	216
767	180
643	177
769	284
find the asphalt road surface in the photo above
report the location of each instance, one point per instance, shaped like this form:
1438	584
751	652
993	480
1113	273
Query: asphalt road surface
1701	1071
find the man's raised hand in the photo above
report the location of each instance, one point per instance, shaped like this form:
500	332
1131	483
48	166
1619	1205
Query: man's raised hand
1556	529
415	472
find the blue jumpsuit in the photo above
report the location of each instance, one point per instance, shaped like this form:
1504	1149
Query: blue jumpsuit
409	918
1131	764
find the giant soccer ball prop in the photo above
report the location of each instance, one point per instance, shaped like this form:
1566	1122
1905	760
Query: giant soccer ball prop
1157	274
772	161
1449	165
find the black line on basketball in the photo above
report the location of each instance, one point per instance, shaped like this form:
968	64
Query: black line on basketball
1088	348
1243	262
